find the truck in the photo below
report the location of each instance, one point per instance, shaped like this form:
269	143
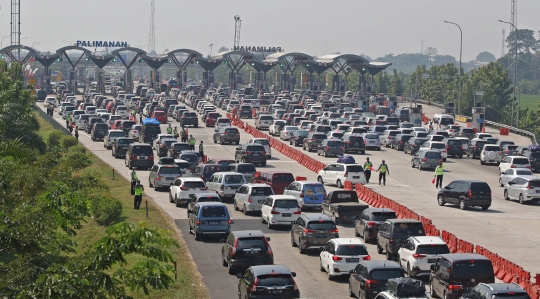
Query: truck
342	205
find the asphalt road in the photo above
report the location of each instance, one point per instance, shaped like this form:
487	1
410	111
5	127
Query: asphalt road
508	228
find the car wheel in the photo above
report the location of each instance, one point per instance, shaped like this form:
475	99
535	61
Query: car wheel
445	296
339	184
224	261
324	154
320	180
300	248
237	142
214	140
431	291
330	277
156	188
409	272
263	164
521	199
236	208
230	269
468	155
270	226
444	159
356	234
379	248
460	156
335	219
440	200
293	243
363	152
245	210
419	166
198	236
190	230
412	164
150	184
388	255
505	196
321	268
462	205
484	208
170	198
262	219
177	202
351	294
379	148
481	162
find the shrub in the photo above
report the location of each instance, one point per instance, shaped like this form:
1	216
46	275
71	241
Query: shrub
106	210
68	141
54	139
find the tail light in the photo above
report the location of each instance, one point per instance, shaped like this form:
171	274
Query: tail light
254	285
264	153
348	141
512	166
274	212
249	198
158	178
222	187
229	221
447	146
298	212
294	283
334	231
370	283
205	188
454	287
308	231
269	248
248	153
528	166
327	148
419	256
150	158
336	258
183	188
461	147
424	160
302	194
346	173
469	194
133	157
198	222
391	241
371	223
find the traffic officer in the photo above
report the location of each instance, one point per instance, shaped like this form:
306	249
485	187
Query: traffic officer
169	129
192	142
134	179
383	170
201	149
175	132
439	174
68	118
138	190
367	169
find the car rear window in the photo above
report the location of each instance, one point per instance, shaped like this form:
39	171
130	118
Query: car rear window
255	148
534	184
216	211
354	168
385	274
437	138
265	117
355	139
141	150
335	143
152	130
169	170
224	121
437	146
524	172
480	187
260	191
285	204
189	157
382	216
408	229
337	135
535	155
125	141
189	114
467	131
454	142
472	269
379	129
181	146
183	165
351	250
433	155
255	242
492	148
245	168
116	134
321	225
101	126
372	136
520	161
213	168
420	141
283	178
234	179
231	130
432	249
275	280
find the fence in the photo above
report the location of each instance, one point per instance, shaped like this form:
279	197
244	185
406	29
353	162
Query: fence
51	120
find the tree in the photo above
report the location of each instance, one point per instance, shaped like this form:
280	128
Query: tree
431	52
525	41
485	57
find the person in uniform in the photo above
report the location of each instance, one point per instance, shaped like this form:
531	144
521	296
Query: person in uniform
383	170
439	170
137	199
367	169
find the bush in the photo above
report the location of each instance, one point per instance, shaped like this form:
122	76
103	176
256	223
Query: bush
68	141
78	149
54	139
106	210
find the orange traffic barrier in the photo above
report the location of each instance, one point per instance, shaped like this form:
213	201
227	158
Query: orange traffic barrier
347	186
504	131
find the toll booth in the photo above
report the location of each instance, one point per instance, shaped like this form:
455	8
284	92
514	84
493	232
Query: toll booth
478	117
392	102
415	115
449	109
363	103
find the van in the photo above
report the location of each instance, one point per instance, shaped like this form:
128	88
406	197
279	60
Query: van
247	169
250	197
308	193
209	218
225	184
149	132
139	155
443	119
277	180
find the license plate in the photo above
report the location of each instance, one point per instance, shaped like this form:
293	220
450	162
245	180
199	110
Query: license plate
142	157
169	178
321	235
286	214
355	177
275	291
357	144
352	260
537	191
255	155
260	200
227	188
213	222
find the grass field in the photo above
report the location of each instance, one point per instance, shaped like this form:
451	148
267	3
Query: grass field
189	284
531	101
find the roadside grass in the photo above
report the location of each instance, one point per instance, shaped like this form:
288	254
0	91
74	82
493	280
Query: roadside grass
530	101
189	284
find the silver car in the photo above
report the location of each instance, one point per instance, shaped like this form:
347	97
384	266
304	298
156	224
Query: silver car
372	141
285	134
425	158
523	189
512	173
163	175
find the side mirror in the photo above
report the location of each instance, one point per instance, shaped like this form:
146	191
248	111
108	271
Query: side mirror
268	239
432	267
447	188
510	183
293	274
240	275
351	271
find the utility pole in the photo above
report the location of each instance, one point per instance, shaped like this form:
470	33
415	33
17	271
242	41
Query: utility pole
16	26
237	26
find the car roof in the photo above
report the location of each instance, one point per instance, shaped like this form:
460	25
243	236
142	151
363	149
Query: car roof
212	203
309	182
269	269
116	131
347	241
516	157
373	210
283	197
228	173
380	264
248	233
469	181
193	179
316	216
503	287
257	185
428	240
403	221
464	256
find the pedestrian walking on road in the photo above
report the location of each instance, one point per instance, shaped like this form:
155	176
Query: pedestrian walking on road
201	149
383	170
439	170
77	132
192	142
183	134
137	199
169	129
368	166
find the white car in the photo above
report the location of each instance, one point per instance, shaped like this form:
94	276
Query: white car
182	188
280	210
263	122
50	101
159	137
250	197
340	255
286	132
274	127
222	122
436	146
135	132
513	173
418	253
123	111
513	162
264	142
490	154
339	173
482	135
111	135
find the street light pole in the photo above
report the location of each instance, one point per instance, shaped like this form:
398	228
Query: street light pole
2	42
460	52
515	74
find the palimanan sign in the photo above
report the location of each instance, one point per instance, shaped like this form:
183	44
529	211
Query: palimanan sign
258	49
101	44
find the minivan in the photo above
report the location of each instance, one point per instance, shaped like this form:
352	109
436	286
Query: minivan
250	197
247	169
209	218
308	193
139	155
276	179
225	184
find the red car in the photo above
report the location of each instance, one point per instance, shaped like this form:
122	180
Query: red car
211	119
160	116
117	124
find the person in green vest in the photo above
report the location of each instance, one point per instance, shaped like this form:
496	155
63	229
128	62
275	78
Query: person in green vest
367	169
134	180
175	132
68	118
192	142
439	170
383	170
169	129
138	189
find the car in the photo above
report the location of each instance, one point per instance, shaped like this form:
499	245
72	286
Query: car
388	136
491	140
310	194
466	193
313	140
512	173
135	132
111	135
250	153
250	197
490	154
245	248
418	253
513	162
120	146
99	131
454	147
159	137
465	132
164	145
286	132
413	145
330	147
437	146
268	282
399	141
465	270
496	290
209	218
372	141
312	230
264	142
245	111
475	147
201	197
502	143
175	148
139	155
278	180
279	210
91	122
224	162
183	187
339	173
482	135
509	150
276	127
227	135
369	278
205	171
393	233
425	158
263	122
163	176
225	184
189	119
297	137
523	189
404	287
534	158
341	255
367	224
342	205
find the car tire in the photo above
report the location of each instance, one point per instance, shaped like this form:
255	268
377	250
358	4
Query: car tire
224	261
351	294
330	277
379	248
388	255
444	159
236	208
363	152
419	166
237	142
521	200
335	219
150	183
262	219
177	202
356	234
293	243
431	291
245	211
270	226
263	164
409	272
481	162
339	184
462	205
230	269
440	200
379	148
412	164
460	156
170	198
485	208
505	196
198	236
300	248
190	229
321	268
320	180
214	140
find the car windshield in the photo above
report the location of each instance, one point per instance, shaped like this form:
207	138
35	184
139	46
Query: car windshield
472	269
255	148
286	204
437	146
408	229
260	191
454	142
321	225
351	250
256	242
117	134
216	211
334	143
383	216
140	150
385	274
125	141
524	172
492	148
275	280
234	179
169	170
354	168
246	168
432	249
193	184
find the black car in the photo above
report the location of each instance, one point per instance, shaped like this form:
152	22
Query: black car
189	119
91	122
313	140
368	223
465	270
176	148
497	290
534	159
99	130
149	132
250	153
475	147
120	146
297	137
413	145
164	145
392	234
509	150
267	282
246	248
466	132
244	111
369	278
454	147
353	143
466	193
126	125
398	143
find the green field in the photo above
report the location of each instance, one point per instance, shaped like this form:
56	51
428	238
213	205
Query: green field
530	101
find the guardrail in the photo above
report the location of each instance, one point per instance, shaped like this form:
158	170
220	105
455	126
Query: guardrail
521	132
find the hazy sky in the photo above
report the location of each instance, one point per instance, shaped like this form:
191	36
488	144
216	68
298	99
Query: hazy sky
374	27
